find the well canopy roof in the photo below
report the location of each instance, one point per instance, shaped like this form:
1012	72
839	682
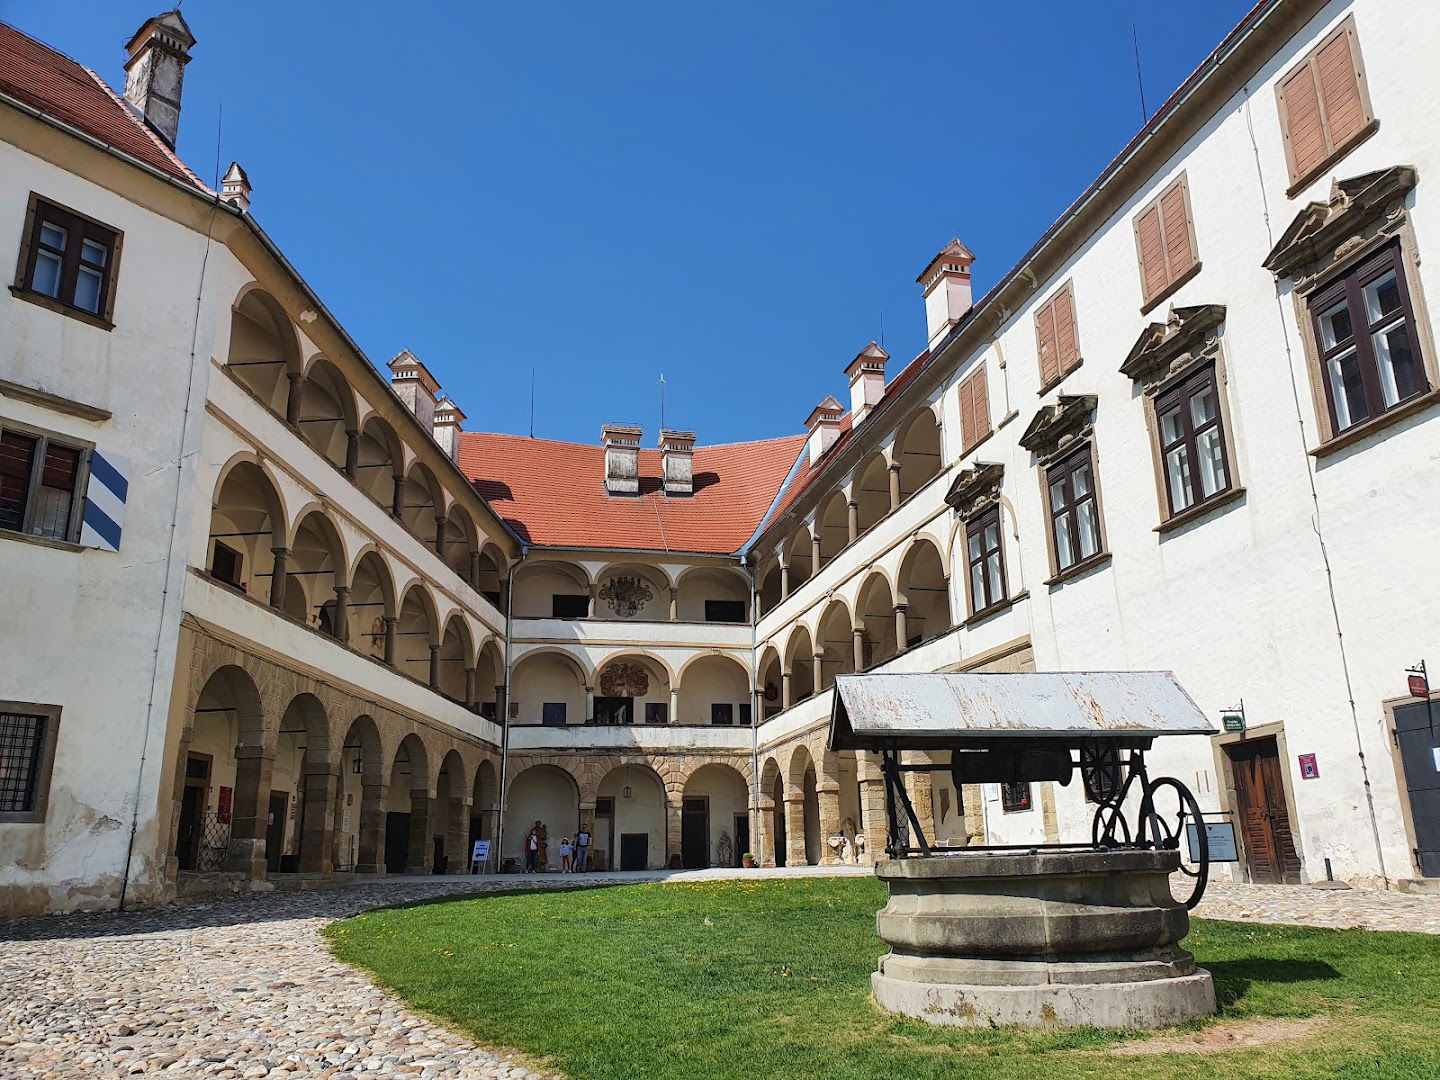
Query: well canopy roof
959	711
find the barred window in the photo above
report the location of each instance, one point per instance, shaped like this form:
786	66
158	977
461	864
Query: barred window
27	744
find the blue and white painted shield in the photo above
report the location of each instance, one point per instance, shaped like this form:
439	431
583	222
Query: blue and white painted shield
105	501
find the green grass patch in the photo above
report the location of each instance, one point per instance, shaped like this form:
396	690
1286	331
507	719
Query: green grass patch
771	978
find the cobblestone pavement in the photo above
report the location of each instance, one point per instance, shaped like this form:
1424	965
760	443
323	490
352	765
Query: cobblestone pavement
246	987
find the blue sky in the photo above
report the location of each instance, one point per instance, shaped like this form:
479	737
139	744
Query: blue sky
739	195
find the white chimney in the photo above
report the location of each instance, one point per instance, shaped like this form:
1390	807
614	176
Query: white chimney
415	385
677	451
823	423
867	381
155	72
448	418
235	187
946	287
622	458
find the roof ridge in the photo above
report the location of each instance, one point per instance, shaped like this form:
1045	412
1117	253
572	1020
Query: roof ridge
656	449
160	144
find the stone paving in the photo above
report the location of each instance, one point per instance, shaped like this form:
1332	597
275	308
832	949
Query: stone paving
246	988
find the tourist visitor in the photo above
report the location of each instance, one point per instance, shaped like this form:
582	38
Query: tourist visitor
582	849
532	848
565	855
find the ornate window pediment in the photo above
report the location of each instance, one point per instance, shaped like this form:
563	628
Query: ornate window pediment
976	489
1056	426
1361	210
1189	336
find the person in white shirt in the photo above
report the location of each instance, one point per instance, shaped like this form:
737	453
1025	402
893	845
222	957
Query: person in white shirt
582	849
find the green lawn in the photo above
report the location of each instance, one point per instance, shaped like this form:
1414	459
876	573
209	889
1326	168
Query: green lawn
771	978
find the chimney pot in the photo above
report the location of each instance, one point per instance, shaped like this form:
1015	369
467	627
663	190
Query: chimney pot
415	386
155	72
823	423
448	418
235	187
945	285
867	381
677	453
622	458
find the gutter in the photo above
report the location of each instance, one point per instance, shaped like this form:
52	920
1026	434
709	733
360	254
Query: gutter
501	802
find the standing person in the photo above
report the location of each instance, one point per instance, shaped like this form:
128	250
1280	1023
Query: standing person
532	848
582	848
565	854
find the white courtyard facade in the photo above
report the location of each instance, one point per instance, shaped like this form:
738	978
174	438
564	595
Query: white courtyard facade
278	619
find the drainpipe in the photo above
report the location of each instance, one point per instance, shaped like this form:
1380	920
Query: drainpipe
755	707
502	796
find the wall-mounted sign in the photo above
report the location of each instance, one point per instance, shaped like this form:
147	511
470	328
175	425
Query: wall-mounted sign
1309	767
1233	722
1419	686
226	804
1220	838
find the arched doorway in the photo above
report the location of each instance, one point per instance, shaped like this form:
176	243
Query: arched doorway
302	791
407	808
630	813
714	818
484	810
548	797
772	785
358	821
451	828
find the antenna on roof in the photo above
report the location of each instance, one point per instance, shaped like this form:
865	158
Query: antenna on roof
662	401
532	401
882	329
1139	79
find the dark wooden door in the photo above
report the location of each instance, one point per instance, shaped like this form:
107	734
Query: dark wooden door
694	833
1417	736
397	842
1270	854
634	851
192	809
742	837
275	830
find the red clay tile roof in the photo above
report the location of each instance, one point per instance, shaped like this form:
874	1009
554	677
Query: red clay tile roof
553	493
64	90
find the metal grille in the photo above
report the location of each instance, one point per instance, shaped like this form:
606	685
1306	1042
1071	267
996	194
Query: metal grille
22	740
214	843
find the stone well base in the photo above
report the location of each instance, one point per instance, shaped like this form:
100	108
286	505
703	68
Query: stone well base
1053	939
1152	1004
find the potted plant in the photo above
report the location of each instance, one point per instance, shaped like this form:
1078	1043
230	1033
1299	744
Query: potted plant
748	860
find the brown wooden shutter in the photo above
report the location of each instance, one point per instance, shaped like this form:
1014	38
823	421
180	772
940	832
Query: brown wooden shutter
979	405
967	419
1067	347
1149	242
1045	341
1301	122
1340	90
1175	223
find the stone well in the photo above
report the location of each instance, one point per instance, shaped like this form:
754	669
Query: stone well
1056	939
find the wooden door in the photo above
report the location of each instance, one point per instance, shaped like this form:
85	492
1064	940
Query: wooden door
695	832
1417	736
1264	817
634	851
275	830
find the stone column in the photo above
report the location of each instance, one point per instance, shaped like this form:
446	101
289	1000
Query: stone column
250	813
872	809
674	604
594	599
971	798
370	857
815	554
440	535
418	859
859	635
457	836
474	578
390	622
341	621
795	830
852	521
784	581
829	796
818	671
895	486
352	452
278	576
764	840
317	835
397	497
589	704
434	665
1048	818
470	687
902	632
292	400
674	705
786	699
337	820
922	794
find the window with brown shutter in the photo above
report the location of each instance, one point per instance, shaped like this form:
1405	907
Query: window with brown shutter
1165	243
974	409
1056	341
1324	105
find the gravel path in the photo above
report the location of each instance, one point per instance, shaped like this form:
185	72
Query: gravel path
246	988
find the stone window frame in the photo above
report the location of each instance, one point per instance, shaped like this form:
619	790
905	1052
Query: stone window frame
1018	806
21	289
1057	432
974	495
45	773
1164	356
44	437
1328	239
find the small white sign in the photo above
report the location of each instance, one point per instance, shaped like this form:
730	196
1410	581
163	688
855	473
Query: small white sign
1436	751
481	852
